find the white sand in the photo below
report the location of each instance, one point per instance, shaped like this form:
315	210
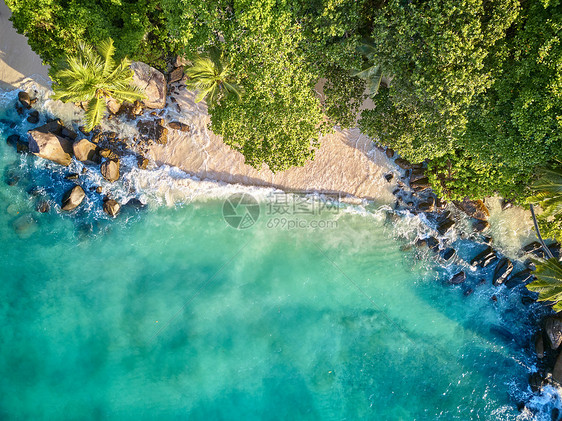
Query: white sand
18	63
347	161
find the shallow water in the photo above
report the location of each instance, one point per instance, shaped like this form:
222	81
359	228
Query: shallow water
169	313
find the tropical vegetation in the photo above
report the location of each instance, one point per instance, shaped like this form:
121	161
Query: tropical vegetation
549	282
476	88
92	76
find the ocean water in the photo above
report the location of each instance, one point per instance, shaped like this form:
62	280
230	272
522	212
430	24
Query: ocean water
168	312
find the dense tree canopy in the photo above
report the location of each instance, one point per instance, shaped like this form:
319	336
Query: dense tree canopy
475	91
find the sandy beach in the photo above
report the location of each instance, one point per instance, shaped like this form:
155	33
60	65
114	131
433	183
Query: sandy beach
18	63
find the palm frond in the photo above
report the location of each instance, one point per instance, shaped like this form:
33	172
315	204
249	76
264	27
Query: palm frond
94	113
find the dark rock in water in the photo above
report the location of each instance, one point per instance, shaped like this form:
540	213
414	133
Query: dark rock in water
388	177
142	162
420	184
539	345
523	277
557	371
458	278
396	191
152	82
50	146
531	247
43	206
502	271
480	225
484	258
468	292
154	129
389	152
555	414
24	99
33	117
486	239
13	140
421	242
110	170
111	207
447	253
474	208
99	189
403	163
426	206
432	243
553	330
445	225
72	176
536	381
22	147
73	198
494	298
70	134
134	203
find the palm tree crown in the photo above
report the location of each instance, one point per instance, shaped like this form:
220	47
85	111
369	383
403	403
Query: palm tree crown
549	282
92	76
212	79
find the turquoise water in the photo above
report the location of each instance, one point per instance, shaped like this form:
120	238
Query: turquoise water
169	313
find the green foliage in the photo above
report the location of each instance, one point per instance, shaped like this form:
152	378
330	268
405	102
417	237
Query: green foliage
212	79
437	52
93	76
55	28
547	193
458	175
343	96
549	282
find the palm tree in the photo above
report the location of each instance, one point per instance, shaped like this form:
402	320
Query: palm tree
92	76
212	79
549	282
548	195
371	73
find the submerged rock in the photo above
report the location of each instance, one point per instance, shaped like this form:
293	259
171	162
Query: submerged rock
33	117
111	207
557	371
474	208
502	271
447	253
43	206
50	146
458	278
152	82
73	198
142	162
110	170
523	277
